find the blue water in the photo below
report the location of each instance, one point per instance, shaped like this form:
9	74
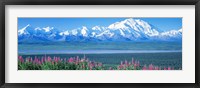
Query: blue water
92	51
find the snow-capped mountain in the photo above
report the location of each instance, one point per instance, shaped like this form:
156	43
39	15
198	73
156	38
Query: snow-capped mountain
127	30
172	34
38	34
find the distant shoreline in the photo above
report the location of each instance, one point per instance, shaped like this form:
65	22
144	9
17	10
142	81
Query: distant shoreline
92	51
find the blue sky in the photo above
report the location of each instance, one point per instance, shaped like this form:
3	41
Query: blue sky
163	24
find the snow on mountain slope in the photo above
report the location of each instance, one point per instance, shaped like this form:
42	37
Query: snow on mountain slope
134	26
23	30
172	34
30	33
96	28
127	30
64	33
84	31
47	29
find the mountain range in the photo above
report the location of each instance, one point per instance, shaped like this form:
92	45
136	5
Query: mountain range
126	30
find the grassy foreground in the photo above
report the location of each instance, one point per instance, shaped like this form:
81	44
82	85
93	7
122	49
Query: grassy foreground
77	63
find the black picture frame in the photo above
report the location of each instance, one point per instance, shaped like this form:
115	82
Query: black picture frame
99	2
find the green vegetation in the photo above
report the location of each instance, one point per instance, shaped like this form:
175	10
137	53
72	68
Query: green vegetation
76	63
112	60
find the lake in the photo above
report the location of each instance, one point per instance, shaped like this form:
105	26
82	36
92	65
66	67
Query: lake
162	54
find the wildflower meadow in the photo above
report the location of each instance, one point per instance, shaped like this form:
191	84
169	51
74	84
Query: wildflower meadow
77	63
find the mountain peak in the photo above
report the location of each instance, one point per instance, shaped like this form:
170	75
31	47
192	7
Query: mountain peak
180	30
64	33
47	29
127	30
28	25
23	30
117	25
131	20
84	31
96	28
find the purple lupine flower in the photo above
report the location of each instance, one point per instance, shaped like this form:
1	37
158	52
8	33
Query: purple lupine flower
138	63
132	60
49	59
70	60
135	63
82	60
124	67
129	63
77	60
144	67
39	62
35	60
21	59
42	60
56	59
151	67
126	63
90	66
168	68
120	67
156	68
